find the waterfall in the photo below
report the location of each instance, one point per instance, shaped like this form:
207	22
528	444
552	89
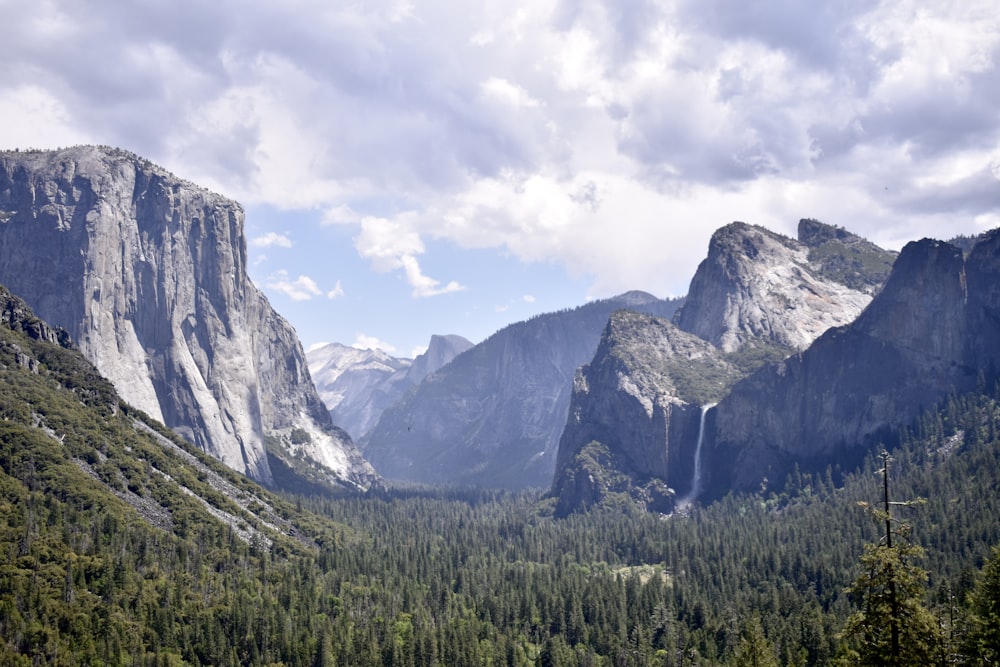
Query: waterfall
692	495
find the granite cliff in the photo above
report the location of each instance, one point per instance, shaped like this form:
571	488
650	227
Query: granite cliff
932	331
147	273
640	396
636	409
759	287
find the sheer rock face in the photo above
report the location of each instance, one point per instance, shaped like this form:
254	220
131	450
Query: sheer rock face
637	406
759	285
359	385
148	274
639	399
934	329
493	416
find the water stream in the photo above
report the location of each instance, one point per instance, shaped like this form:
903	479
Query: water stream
692	495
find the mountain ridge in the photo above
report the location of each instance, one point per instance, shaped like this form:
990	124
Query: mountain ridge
358	385
931	332
638	405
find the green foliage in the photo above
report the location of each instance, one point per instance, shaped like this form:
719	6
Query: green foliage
755	354
893	626
984	637
702	381
754	650
856	263
112	553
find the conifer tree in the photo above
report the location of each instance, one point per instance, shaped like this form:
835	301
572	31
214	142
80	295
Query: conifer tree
984	638
754	649
893	627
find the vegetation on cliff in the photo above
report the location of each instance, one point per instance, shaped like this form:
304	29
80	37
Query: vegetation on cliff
122	546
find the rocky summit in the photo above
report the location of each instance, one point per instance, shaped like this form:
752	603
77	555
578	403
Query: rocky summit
933	331
639	408
147	273
757	286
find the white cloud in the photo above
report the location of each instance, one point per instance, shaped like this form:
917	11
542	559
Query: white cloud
342	214
336	292
508	93
271	239
394	244
528	298
365	342
302	288
33	117
610	138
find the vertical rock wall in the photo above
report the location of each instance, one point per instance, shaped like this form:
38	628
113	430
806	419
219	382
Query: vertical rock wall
148	274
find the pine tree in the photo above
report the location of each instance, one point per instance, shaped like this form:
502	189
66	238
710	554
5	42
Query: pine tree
754	649
892	627
984	638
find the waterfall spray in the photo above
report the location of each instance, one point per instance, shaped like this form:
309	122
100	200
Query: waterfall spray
692	495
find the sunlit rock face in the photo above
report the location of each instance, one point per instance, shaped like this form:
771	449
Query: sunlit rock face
637	411
493	416
934	329
147	272
756	285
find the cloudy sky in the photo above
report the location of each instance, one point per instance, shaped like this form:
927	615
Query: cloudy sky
418	167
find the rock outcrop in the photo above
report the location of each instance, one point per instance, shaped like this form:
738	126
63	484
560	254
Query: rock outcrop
493	416
757	297
357	386
16	315
933	330
762	287
148	275
635	414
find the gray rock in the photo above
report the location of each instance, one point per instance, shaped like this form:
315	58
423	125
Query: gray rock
756	285
635	413
148	274
16	315
493	416
359	385
757	297
933	330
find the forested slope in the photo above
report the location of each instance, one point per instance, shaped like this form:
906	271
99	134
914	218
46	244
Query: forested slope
122	547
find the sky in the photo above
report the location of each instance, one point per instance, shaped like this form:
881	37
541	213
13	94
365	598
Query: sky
418	167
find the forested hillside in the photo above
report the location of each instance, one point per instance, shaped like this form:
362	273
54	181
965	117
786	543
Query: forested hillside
121	546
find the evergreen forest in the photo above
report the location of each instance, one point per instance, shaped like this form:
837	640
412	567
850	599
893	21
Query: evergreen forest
122	545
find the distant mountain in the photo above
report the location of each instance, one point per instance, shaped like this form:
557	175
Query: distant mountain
358	385
636	410
493	416
147	273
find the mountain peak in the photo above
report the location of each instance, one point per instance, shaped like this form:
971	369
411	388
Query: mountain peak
358	385
757	286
